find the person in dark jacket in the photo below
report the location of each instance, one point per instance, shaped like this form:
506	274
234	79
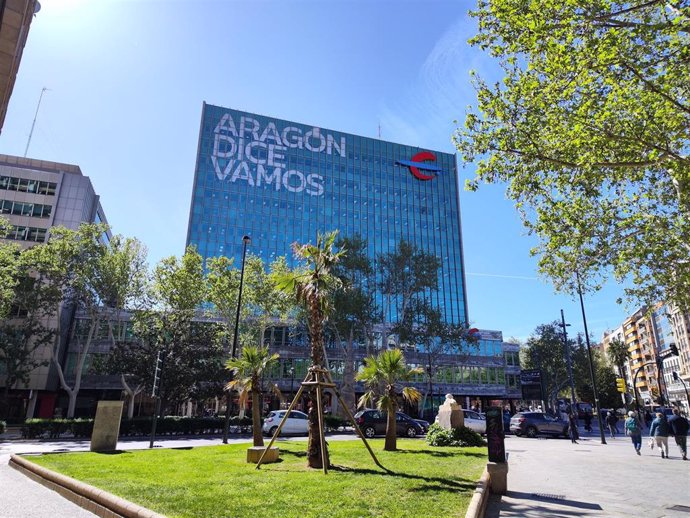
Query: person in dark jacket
572	428
612	422
679	427
588	421
648	418
660	430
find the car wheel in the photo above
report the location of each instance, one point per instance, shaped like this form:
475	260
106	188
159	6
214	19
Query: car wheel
531	432
411	432
272	431
369	432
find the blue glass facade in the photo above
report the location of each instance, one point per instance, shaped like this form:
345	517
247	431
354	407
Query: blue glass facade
279	182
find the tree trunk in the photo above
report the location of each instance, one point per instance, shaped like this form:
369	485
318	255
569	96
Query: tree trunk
391	430
316	317
72	404
256	418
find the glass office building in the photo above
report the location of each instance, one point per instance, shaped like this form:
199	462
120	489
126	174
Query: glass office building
280	182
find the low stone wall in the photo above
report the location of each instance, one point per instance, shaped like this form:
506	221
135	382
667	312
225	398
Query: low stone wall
480	498
95	500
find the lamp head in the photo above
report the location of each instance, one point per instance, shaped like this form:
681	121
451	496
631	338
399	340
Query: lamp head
246	240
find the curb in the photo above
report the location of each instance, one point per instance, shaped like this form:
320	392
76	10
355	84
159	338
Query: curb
97	501
480	498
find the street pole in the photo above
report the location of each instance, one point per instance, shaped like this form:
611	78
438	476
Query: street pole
569	363
677	377
156	393
245	241
591	366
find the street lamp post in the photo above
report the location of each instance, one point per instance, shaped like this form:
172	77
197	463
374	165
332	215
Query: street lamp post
569	363
591	366
233	354
676	377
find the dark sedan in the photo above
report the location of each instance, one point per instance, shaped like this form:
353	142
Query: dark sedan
373	422
532	424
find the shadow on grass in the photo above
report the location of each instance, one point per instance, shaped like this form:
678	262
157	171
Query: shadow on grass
183	448
433	453
114	452
442	484
294	453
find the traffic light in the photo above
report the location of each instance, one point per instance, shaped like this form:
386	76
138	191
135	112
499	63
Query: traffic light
674	349
620	385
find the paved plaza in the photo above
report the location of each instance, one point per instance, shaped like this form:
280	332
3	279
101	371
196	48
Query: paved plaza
555	478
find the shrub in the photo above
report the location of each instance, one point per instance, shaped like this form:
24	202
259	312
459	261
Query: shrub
463	436
3	426
34	428
138	426
333	423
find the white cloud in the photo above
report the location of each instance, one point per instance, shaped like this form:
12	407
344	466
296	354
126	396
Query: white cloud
424	114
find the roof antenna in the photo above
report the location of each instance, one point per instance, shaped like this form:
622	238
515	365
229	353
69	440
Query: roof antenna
379	129
33	124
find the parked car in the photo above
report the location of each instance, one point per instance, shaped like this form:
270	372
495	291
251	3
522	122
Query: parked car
373	422
296	424
532	424
424	424
475	421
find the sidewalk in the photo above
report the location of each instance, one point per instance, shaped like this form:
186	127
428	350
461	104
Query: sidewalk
558	479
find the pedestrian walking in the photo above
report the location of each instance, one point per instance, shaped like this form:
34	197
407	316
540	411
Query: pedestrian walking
660	430
612	422
648	419
633	429
588	421
572	428
679	427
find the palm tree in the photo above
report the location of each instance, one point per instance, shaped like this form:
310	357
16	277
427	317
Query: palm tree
313	287
382	375
247	371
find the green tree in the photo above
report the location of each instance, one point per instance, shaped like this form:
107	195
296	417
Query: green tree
618	355
589	127
425	328
406	273
78	271
24	332
605	378
355	311
248	371
382	374
313	287
9	268
544	351
190	349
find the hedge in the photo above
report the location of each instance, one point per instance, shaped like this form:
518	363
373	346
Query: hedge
168	425
462	436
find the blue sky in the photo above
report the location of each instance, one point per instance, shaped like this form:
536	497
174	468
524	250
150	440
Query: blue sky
127	80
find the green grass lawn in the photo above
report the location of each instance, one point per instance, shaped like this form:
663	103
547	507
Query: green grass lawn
213	482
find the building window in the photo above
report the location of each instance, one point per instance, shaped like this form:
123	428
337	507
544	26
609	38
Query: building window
10	183
27	234
18	208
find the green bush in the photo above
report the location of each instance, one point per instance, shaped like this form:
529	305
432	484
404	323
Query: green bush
3	426
333	423
138	426
463	436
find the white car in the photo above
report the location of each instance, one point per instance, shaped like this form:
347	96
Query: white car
475	421
296	424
